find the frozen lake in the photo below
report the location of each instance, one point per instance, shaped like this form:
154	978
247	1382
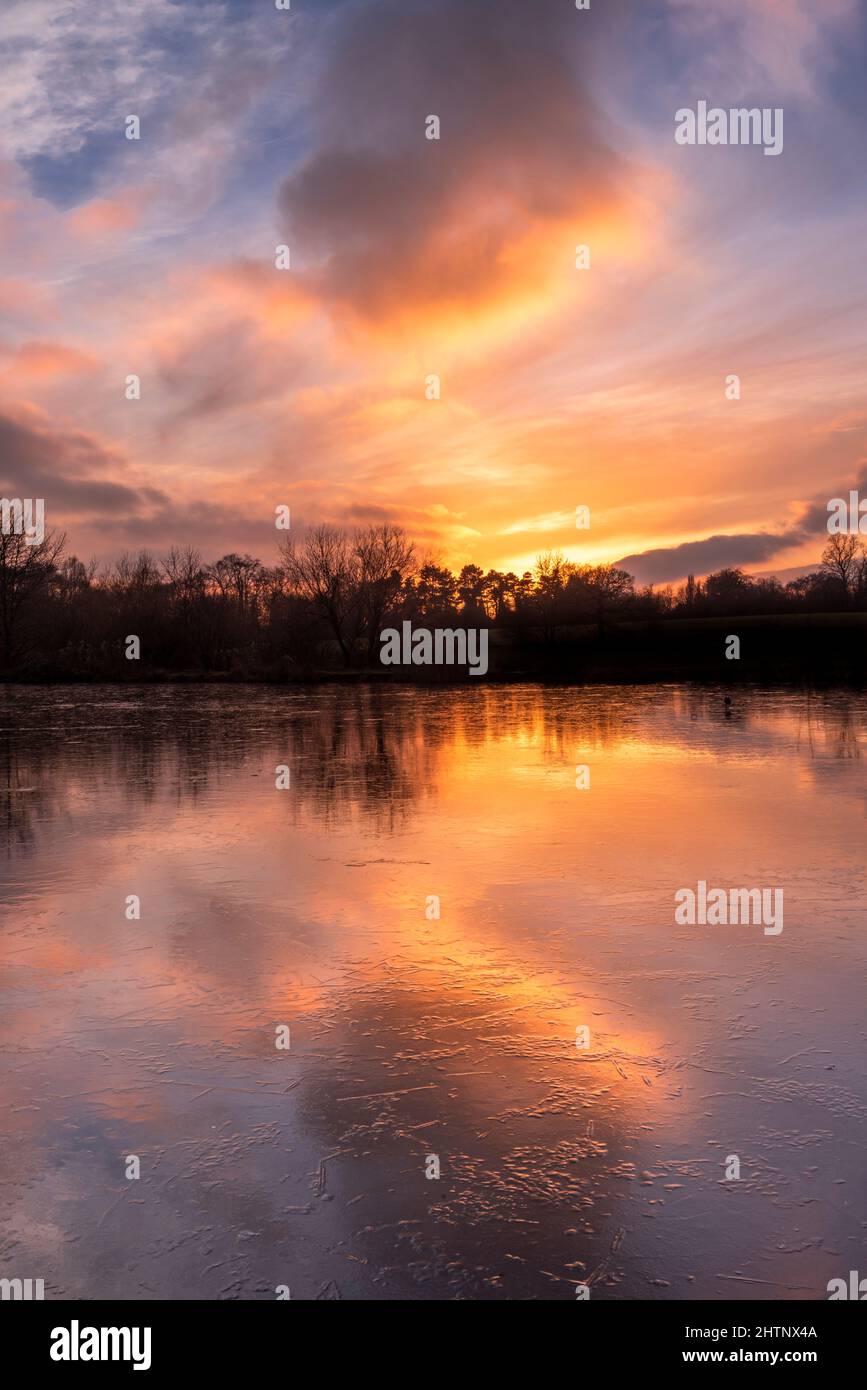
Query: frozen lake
416	1037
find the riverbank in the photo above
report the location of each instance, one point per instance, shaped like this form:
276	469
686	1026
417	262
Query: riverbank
815	648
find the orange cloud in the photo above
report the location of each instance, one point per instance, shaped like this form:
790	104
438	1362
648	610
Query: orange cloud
102	216
474	230
37	358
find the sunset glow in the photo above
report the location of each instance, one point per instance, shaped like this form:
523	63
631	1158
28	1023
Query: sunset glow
560	386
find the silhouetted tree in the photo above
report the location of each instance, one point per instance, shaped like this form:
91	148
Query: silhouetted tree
25	571
60	615
322	570
385	559
841	561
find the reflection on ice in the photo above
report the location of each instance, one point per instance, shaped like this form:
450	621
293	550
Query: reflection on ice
411	1035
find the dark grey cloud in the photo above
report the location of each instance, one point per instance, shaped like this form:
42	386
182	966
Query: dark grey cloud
371	512
391	220
70	469
816	516
669	563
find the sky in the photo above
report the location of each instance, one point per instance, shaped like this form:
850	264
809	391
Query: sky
410	258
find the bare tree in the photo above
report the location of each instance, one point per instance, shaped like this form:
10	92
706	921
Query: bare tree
239	577
323	569
609	586
840	560
185	575
385	559
195	625
134	576
551	574
25	571
350	582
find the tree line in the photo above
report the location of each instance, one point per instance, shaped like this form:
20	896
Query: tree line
329	595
